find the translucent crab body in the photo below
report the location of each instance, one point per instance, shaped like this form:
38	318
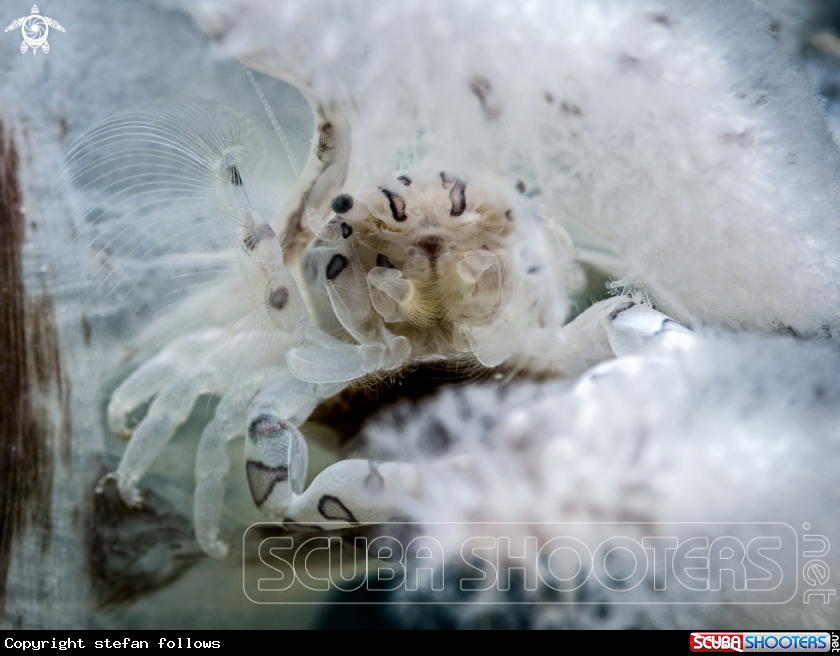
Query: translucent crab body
462	270
429	265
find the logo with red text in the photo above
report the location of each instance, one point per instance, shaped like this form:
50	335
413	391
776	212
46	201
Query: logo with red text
805	641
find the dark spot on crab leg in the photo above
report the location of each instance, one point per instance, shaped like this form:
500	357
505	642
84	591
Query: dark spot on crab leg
621	308
383	261
265	425
405	180
336	265
262	479
278	298
397	204
346	229
235	177
253	238
374	481
458	198
326	143
332	508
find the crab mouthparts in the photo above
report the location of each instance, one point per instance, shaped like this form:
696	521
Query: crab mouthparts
432	246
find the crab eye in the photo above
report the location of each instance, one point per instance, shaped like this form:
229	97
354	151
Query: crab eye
342	203
405	180
397	204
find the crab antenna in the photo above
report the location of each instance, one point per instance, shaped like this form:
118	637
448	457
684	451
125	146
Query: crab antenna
281	135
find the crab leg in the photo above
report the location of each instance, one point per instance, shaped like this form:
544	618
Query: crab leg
354	492
275	451
155	374
170	409
215	372
324	359
612	327
212	463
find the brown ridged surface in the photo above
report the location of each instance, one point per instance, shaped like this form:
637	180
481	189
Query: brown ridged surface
347	411
29	362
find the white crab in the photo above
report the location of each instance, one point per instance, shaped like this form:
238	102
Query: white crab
421	266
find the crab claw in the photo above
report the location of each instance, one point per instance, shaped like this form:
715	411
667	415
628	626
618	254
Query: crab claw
276	459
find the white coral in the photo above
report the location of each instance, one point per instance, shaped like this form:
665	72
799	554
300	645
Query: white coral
673	131
731	430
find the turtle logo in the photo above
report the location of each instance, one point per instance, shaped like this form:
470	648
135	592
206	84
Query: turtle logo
35	29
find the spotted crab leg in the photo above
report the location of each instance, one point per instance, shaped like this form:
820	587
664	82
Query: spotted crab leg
352	492
176	379
614	327
212	463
